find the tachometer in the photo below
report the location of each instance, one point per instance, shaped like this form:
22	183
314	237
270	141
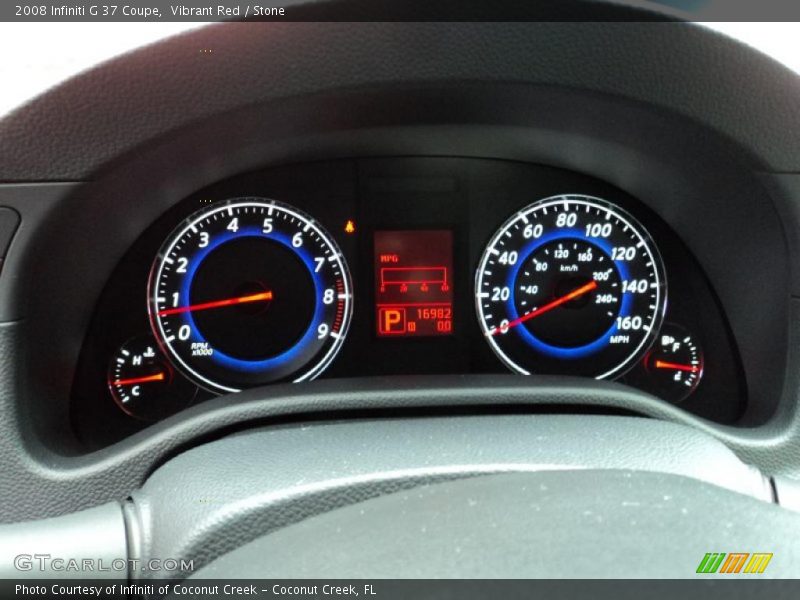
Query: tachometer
247	292
570	285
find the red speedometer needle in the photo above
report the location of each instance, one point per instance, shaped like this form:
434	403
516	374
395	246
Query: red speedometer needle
216	304
134	380
660	364
584	289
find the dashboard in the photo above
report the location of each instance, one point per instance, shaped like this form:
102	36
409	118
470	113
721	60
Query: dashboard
401	266
423	248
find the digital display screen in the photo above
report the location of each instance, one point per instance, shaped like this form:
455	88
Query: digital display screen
413	286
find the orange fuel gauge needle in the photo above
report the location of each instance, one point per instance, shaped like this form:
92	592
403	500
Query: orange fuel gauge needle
263	296
661	364
135	380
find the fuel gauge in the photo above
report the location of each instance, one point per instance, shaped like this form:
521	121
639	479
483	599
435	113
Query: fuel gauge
143	383
673	367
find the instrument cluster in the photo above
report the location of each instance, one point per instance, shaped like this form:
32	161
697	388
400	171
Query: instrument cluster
401	266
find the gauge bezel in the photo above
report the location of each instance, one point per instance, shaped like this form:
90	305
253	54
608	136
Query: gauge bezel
305	373
172	381
698	375
624	216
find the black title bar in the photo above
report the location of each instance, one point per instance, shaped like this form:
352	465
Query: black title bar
398	10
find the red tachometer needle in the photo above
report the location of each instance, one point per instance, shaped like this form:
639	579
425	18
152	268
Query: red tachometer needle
584	289
660	364
216	304
134	380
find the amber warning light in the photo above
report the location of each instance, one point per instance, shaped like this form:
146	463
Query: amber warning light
413	286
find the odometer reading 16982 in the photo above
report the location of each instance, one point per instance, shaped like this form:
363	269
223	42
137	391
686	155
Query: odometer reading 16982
571	285
250	291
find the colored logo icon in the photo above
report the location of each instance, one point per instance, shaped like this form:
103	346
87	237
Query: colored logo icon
734	563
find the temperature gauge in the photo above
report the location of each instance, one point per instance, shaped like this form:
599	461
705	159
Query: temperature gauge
142	382
673	367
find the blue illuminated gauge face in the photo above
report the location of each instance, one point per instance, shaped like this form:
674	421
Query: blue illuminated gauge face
570	285
247	292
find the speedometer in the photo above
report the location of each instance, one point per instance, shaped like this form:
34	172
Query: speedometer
247	292
571	284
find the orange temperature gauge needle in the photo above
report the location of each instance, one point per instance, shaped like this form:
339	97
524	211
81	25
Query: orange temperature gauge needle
263	296
584	289
135	380
660	364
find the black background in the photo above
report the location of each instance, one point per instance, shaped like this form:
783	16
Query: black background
471	197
